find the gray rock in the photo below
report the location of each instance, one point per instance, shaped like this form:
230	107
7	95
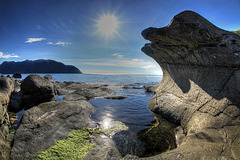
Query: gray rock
200	88
150	89
5	147
115	97
36	90
17	75
104	148
6	89
81	91
48	122
49	77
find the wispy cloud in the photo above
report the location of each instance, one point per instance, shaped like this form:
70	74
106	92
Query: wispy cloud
60	43
118	55
109	72
30	40
121	63
2	55
137	60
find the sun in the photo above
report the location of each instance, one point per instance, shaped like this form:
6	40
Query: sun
107	25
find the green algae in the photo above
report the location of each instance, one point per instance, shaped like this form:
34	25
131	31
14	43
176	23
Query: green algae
74	147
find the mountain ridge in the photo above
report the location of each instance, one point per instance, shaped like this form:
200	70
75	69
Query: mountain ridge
37	66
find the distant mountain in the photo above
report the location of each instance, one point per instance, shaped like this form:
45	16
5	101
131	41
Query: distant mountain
37	66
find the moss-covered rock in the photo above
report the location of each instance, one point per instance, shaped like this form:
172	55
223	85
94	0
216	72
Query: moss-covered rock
75	146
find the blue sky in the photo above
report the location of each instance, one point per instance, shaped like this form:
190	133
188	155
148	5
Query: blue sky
67	31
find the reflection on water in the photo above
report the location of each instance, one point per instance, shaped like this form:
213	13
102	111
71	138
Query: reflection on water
106	123
141	137
131	111
16	124
159	138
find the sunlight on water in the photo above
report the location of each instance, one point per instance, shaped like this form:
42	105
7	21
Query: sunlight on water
106	123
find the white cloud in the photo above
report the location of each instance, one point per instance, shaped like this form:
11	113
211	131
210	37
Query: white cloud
60	43
137	67
2	55
108	72
118	55
121	63
30	40
137	60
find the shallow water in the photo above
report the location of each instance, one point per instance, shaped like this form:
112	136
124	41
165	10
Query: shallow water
132	111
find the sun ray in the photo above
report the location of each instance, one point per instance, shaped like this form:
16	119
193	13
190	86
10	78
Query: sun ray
107	25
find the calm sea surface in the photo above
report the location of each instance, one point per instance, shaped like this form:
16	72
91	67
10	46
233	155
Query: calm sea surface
132	111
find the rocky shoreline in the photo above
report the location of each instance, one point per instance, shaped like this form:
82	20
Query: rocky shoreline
199	92
46	120
200	86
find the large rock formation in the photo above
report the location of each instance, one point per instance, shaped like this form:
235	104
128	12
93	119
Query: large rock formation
200	89
48	122
37	66
36	90
6	88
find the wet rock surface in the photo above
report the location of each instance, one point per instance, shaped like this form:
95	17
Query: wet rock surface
81	91
104	148
200	86
6	88
44	124
48	122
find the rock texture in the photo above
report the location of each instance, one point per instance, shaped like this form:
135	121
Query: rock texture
48	122
200	89
37	66
44	124
5	147
36	90
6	88
81	91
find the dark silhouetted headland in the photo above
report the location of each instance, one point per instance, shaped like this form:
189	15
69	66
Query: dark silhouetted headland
37	66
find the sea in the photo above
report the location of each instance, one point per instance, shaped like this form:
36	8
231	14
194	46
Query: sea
132	111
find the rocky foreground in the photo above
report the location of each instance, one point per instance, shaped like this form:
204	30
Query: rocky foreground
200	89
46	120
200	92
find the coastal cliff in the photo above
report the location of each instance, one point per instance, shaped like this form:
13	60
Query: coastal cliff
37	66
200	89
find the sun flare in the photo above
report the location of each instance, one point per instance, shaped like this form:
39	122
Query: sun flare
107	25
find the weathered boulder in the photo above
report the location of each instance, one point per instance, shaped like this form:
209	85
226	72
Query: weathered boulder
104	148
5	145
17	75
200	89
48	122
6	88
36	90
150	89
81	91
49	77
